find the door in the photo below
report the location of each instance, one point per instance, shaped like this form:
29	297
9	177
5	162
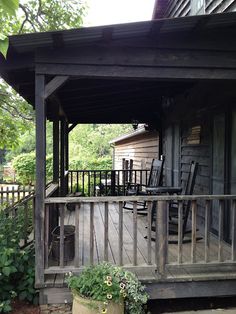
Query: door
172	155
218	165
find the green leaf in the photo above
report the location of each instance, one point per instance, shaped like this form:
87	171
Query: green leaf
6	271
10	6
4	43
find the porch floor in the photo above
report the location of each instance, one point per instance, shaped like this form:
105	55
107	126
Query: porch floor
149	275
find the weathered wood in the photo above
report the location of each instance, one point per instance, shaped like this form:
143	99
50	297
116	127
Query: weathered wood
54	84
149	232
40	177
91	256
46	237
220	235
141	72
138	198
152	57
135	244
56	154
233	252
207	231
194	232
62	235
162	212
121	233
106	224
77	231
62	157
180	232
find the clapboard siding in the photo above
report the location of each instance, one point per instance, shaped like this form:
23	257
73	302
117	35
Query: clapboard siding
178	8
199	153
141	149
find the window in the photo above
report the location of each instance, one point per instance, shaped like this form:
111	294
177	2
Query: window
194	136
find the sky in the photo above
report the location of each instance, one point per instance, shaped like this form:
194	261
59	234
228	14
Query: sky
105	12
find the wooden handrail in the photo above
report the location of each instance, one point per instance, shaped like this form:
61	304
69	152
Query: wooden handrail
138	198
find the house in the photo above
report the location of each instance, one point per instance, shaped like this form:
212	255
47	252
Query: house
178	74
135	150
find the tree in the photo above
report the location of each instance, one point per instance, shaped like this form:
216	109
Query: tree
7	10
25	17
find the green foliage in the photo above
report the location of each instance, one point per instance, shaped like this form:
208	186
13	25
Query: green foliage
7	9
89	145
31	16
105	282
24	166
16	265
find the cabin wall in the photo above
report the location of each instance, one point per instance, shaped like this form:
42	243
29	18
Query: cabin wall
206	117
141	149
178	8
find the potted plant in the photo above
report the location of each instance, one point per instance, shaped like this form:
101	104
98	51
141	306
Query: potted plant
106	288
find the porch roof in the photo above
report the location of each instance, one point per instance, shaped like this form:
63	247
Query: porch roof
117	73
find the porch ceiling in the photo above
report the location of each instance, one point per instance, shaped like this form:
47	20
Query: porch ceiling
122	72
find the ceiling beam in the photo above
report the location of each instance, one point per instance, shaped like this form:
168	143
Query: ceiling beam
54	84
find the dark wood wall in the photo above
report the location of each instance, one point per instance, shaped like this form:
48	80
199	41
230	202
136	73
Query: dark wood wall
141	149
178	8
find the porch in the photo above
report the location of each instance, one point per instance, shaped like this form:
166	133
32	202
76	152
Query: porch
104	231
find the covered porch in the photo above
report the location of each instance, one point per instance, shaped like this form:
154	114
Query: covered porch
147	71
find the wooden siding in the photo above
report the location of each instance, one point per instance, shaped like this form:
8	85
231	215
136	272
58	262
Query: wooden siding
178	8
141	149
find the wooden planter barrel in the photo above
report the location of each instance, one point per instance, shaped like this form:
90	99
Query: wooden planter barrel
87	306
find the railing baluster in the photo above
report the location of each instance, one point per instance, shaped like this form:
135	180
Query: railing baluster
83	183
12	195
89	183
106	221
194	231
91	233
233	248
62	231
220	237
77	181
162	214
207	232
26	222
157	242
18	194
180	232
77	210
118	183
94	184
149	232
71	181
7	192
46	239
135	233
100	180
2	195
121	233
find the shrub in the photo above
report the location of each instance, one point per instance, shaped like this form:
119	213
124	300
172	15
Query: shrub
16	265
24	166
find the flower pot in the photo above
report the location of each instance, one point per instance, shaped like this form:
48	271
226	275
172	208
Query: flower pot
88	306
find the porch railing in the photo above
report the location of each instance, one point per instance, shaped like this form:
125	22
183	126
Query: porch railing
105	182
209	257
11	195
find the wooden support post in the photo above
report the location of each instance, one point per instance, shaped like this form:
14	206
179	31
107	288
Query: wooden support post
162	213
56	145
62	159
40	178
66	155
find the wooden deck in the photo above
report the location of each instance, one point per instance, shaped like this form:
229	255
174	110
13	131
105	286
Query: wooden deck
173	273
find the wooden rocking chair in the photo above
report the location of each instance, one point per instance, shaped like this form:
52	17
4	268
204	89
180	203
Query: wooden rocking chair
173	206
154	180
